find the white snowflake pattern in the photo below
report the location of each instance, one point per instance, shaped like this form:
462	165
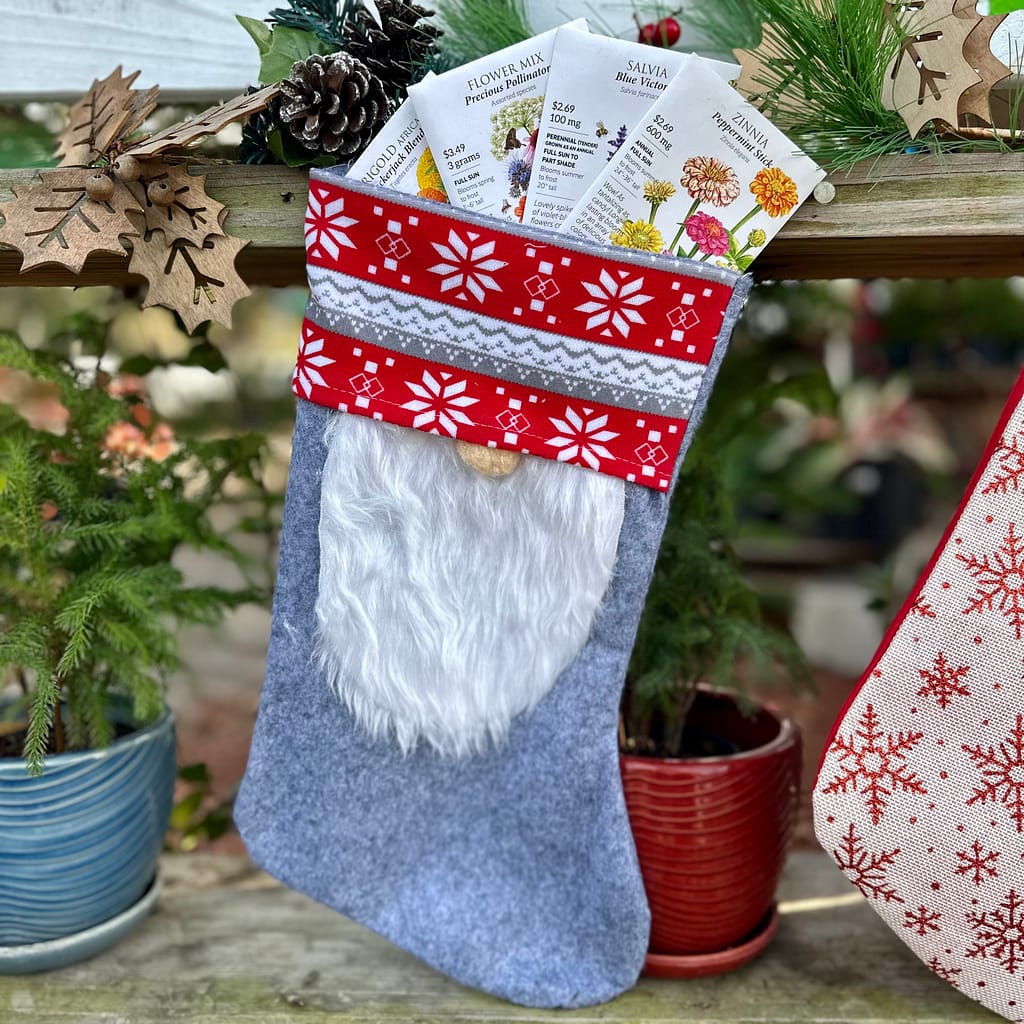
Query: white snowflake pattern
440	403
582	439
1002	773
614	301
326	224
999	580
469	267
999	933
310	361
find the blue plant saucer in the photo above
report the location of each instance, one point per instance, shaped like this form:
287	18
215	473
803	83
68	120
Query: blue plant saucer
69	949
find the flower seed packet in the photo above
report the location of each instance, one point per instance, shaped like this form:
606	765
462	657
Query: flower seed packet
703	174
398	157
481	122
598	89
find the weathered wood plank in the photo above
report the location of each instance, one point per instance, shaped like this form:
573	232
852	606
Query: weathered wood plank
228	947
905	216
53	49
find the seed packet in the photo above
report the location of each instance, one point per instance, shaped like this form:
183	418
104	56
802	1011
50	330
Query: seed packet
398	157
481	122
703	174
598	89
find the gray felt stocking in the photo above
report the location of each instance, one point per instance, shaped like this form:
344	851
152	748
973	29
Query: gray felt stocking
489	422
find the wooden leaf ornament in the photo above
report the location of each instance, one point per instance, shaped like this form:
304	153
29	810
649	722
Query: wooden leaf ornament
928	75
104	116
191	215
974	102
199	282
55	221
209	122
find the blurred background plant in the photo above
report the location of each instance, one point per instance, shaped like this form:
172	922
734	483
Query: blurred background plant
97	494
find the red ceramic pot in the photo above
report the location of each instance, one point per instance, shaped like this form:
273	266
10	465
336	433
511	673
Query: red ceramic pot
711	832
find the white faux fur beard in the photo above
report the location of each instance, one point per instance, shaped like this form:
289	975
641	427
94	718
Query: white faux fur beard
449	602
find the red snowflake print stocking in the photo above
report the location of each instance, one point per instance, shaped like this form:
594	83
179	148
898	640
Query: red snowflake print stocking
920	794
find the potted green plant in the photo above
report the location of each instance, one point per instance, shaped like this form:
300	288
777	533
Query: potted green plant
96	497
711	779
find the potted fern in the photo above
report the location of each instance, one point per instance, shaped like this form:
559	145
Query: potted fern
93	505
710	778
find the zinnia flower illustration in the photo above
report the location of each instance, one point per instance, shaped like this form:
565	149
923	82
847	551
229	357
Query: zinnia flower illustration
708	232
756	239
659	191
708	180
775	191
638	234
656	193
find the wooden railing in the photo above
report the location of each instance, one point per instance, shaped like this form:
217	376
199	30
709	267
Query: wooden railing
902	216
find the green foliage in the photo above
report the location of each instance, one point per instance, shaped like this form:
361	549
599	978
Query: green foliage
702	620
23	142
323	18
284	47
198	816
475	28
90	520
823	69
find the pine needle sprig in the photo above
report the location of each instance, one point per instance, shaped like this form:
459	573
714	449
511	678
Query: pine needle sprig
475	28
326	19
822	69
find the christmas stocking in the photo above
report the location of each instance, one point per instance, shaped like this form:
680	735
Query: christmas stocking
920	795
489	422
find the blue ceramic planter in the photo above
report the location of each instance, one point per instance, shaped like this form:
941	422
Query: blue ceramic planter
79	845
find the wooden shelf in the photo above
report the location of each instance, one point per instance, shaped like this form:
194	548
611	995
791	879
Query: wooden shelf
903	216
229	946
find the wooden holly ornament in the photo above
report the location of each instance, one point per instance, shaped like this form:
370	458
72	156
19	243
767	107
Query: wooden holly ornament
929	74
209	122
55	221
127	167
199	282
159	193
99	187
107	114
974	106
175	201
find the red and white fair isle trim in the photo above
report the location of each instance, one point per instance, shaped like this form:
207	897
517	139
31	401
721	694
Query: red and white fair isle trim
493	273
508	277
920	795
358	377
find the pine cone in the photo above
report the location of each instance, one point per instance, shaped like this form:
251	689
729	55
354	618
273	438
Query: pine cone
395	49
332	104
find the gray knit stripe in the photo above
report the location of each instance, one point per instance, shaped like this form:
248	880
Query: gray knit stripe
583	370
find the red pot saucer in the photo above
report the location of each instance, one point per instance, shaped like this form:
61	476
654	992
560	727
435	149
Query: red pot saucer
702	965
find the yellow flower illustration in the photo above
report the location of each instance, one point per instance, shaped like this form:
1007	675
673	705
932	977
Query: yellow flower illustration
775	191
638	234
427	174
659	191
756	238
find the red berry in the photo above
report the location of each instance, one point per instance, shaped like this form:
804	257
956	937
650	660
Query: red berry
669	31
661	33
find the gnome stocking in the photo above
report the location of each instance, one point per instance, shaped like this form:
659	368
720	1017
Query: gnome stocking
489	422
920	795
